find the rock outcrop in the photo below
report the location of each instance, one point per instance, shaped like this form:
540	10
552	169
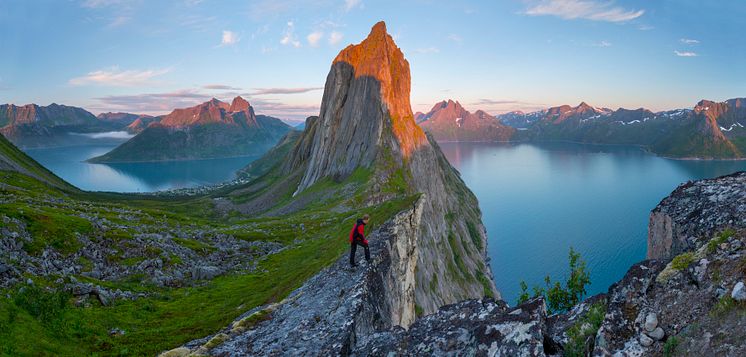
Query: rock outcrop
366	122
449	121
683	220
333	310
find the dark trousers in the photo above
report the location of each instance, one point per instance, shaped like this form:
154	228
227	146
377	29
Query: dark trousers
354	244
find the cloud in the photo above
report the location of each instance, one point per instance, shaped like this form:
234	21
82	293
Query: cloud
645	27
602	44
264	91
455	38
335	37
351	4
689	41
314	38
151	103
685	54
230	38
93	4
289	38
119	21
427	50
117	78
220	87
594	10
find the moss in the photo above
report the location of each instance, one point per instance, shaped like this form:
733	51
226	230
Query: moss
434	283
682	261
726	305
195	245
721	238
486	286
252	320
216	341
474	234
418	311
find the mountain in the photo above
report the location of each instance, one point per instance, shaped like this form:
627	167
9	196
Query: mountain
33	125
711	130
449	121
141	122
14	160
209	130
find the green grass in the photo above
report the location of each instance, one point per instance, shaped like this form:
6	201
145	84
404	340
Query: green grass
195	245
721	238
669	349
172	317
49	227
682	261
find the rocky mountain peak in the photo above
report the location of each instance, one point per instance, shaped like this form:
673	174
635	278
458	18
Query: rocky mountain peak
239	104
379	58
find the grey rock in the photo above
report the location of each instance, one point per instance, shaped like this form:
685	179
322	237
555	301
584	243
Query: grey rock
645	340
651	322
657	334
739	292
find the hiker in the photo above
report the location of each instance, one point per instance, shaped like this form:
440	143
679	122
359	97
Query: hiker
357	237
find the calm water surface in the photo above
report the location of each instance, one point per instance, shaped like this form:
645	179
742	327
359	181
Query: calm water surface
538	201
68	163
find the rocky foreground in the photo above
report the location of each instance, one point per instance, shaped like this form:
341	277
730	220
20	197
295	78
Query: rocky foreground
693	304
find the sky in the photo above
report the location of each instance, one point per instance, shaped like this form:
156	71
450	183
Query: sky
150	57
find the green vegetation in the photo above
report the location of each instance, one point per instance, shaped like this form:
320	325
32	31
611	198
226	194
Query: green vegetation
561	298
669	349
583	330
169	317
726	305
682	261
721	238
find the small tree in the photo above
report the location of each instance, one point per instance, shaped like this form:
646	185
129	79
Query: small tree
561	298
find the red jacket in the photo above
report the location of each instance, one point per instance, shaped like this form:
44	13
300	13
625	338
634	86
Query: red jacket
357	232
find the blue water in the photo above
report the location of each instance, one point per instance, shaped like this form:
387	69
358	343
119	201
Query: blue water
538	200
68	163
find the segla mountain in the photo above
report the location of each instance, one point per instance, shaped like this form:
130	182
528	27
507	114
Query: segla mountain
210	130
711	130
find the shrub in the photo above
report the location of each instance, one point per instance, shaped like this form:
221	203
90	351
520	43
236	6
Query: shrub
561	298
583	330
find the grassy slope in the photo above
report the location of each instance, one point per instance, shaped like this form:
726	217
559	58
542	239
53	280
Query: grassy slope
9	151
172	316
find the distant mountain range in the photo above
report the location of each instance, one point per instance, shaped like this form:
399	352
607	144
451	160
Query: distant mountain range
209	130
712	130
449	121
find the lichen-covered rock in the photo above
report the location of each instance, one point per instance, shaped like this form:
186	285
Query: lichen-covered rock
683	220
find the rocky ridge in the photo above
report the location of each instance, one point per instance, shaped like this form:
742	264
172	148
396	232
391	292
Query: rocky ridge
449	121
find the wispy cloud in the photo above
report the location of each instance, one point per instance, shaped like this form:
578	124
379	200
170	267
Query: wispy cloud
314	38
594	10
454	37
335	37
602	44
230	38
101	3
119	21
689	41
264	91
151	103
427	50
288	37
220	87
351	4
118	78
505	105
645	27
685	53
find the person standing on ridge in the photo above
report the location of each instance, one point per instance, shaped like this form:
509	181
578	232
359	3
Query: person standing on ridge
357	237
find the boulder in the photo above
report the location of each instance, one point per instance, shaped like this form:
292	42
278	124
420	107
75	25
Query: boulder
739	292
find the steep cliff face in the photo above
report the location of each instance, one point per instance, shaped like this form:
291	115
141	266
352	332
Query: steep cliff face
680	222
366	122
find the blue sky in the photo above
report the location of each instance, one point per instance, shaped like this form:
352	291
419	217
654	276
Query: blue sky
152	56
